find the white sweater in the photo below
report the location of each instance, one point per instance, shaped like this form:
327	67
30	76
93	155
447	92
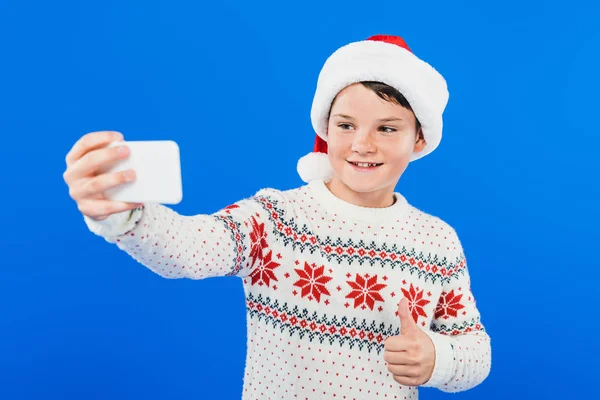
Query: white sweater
323	279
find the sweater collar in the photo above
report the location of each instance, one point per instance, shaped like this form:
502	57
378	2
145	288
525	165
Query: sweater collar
335	205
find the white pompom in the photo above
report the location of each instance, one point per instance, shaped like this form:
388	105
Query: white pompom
315	166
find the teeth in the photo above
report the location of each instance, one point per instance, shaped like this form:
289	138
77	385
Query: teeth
365	165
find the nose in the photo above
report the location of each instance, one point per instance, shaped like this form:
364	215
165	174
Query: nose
363	142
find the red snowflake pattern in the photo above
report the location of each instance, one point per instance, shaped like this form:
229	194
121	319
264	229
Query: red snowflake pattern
416	302
263	274
448	305
258	238
312	281
231	207
365	291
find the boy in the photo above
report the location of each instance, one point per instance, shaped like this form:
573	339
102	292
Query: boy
351	292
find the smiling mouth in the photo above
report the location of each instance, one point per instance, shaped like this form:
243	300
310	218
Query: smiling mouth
365	165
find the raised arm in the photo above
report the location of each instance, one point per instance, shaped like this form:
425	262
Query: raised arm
232	241
229	242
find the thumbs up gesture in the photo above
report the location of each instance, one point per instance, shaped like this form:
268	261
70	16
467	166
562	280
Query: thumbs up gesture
411	355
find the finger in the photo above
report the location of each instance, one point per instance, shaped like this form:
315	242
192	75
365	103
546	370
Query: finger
91	141
103	208
397	343
96	160
101	183
408	325
404	371
399	358
408	381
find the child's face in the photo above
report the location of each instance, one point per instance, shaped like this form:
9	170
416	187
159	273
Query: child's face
364	128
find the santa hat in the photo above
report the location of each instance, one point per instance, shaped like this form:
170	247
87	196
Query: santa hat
386	59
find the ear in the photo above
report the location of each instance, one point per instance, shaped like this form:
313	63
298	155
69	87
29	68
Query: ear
421	142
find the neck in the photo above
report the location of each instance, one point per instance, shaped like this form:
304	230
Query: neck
357	208
380	198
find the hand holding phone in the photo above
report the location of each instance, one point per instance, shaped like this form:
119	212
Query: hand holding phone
107	175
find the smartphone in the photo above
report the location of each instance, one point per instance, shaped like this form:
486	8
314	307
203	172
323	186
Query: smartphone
157	165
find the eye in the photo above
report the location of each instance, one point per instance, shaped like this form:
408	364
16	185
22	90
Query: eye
345	127
387	129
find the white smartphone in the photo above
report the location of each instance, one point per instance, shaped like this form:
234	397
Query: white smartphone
157	165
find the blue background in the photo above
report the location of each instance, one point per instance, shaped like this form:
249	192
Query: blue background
232	82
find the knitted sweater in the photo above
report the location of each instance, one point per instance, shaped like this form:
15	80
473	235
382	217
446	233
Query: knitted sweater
322	280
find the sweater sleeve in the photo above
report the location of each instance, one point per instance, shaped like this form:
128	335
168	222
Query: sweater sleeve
462	345
230	242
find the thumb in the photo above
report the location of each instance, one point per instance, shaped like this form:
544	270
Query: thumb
407	323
